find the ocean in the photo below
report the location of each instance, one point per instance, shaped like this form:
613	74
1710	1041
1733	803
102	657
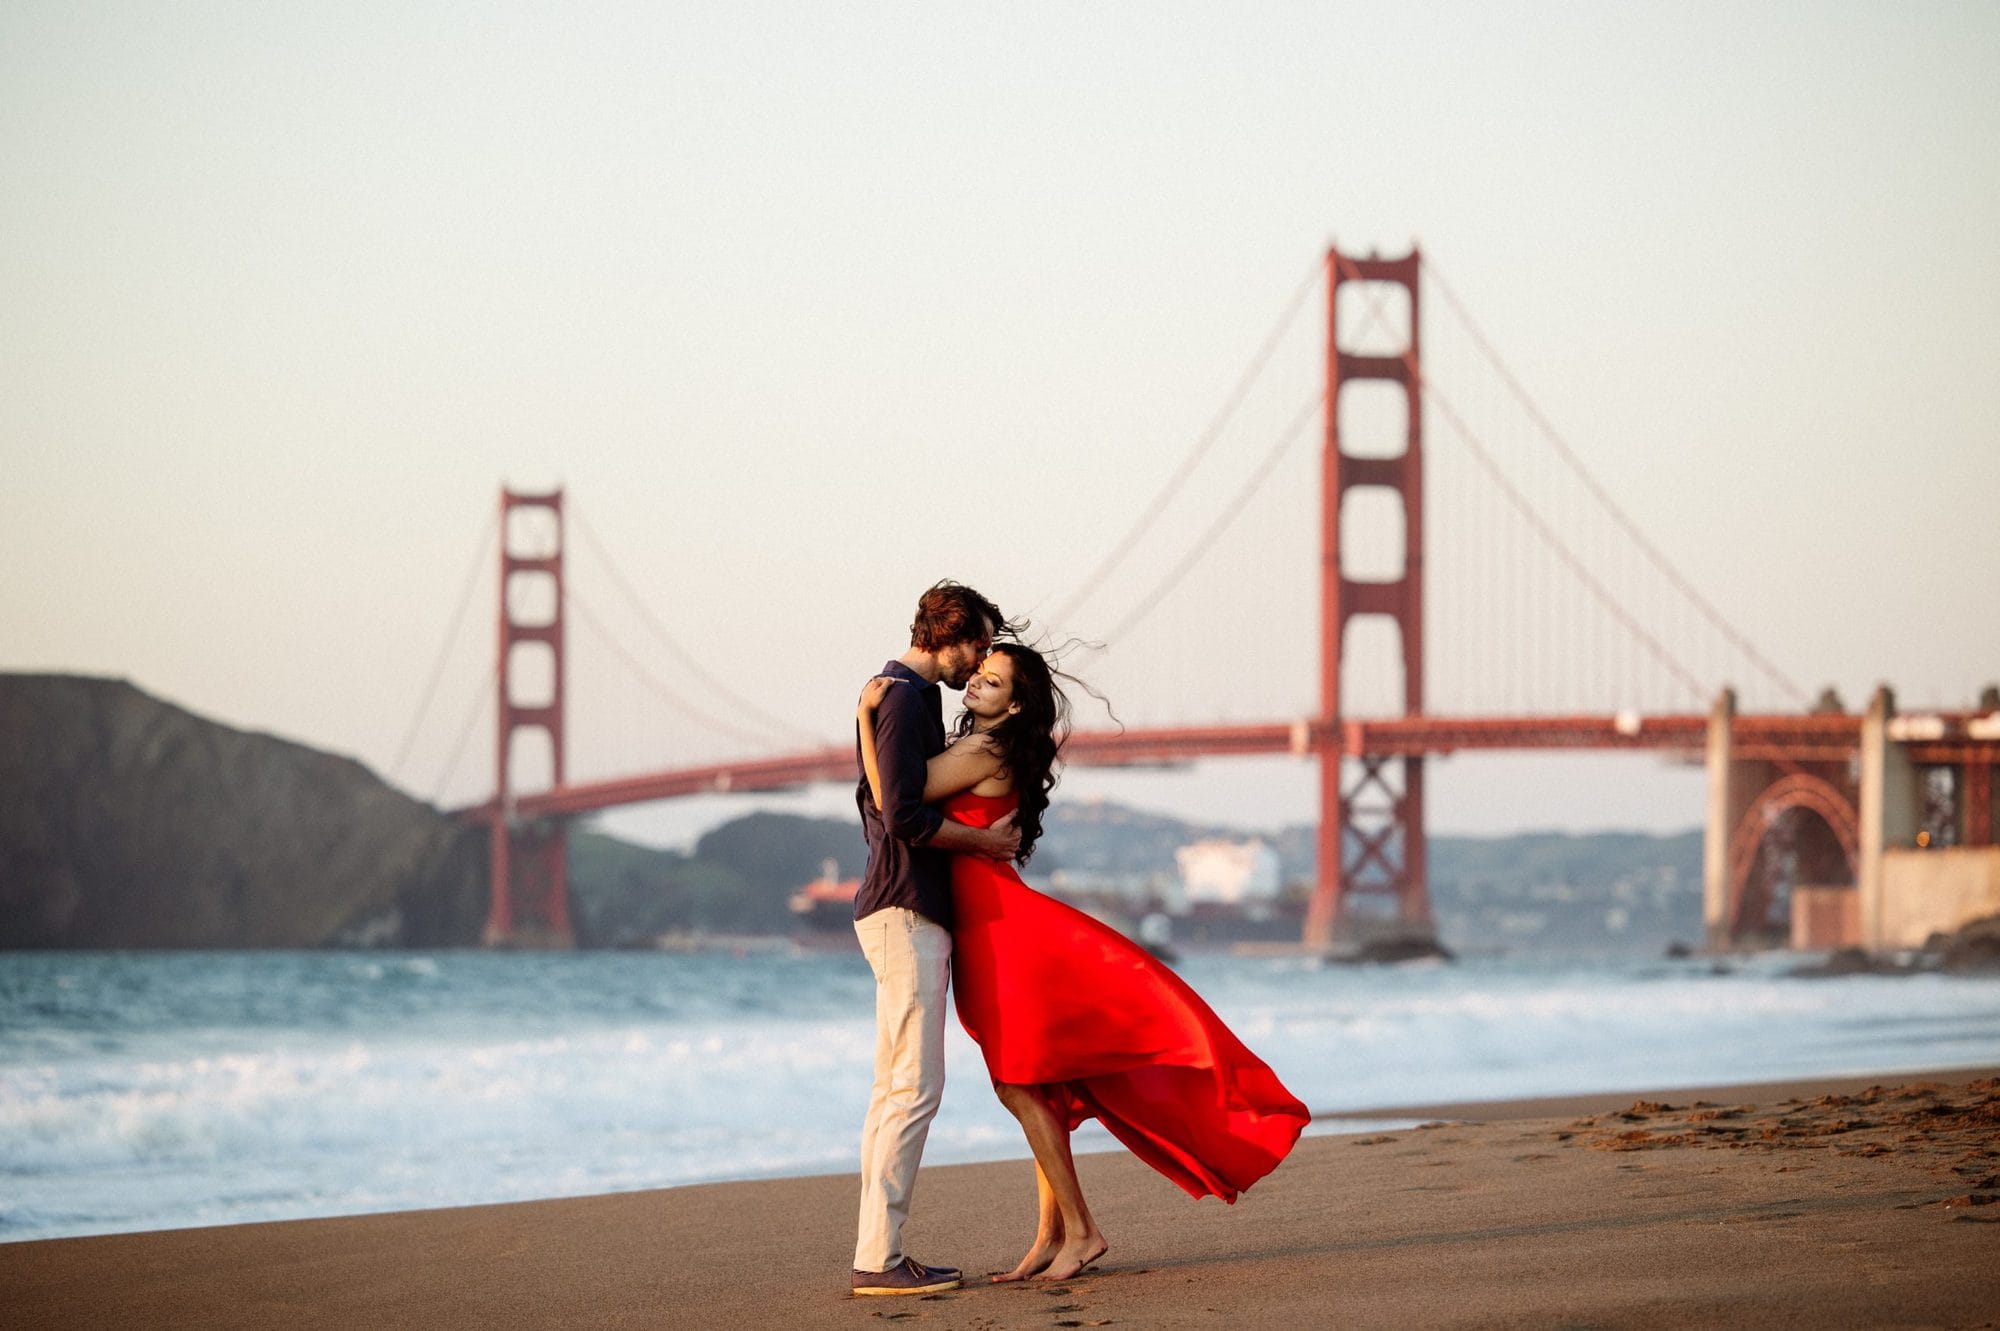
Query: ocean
149	1091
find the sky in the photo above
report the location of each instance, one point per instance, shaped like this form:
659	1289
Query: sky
807	306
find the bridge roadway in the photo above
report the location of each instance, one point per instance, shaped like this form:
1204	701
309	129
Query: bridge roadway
1796	738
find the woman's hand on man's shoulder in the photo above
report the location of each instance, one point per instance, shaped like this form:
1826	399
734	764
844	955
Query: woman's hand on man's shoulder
874	691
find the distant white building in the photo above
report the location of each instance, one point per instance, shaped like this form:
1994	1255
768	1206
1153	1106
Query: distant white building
1245	874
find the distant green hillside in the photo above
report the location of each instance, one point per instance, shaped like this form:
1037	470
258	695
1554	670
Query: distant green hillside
737	880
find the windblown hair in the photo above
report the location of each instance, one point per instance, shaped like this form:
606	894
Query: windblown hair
1030	742
952	612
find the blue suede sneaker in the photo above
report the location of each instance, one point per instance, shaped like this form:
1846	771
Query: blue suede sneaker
908	1276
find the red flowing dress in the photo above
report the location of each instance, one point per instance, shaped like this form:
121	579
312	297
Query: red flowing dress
1063	1002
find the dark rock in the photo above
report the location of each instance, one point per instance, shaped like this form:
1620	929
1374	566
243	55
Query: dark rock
1852	961
127	822
1405	949
1973	950
1393	949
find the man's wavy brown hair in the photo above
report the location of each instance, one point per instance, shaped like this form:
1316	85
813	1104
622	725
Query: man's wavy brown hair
952	612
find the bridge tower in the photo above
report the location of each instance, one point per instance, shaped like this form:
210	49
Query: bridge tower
1371	828
529	865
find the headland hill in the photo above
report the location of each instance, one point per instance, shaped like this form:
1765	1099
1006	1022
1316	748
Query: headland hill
129	822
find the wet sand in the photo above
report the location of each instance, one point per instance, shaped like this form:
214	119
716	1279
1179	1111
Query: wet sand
1811	1204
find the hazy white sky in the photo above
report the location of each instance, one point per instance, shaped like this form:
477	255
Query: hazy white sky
809	305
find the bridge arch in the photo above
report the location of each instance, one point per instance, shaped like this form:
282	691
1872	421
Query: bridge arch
1822	820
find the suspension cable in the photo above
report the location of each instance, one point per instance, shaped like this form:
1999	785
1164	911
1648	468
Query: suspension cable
444	648
1556	544
488	690
1202	444
686	658
1611	506
660	689
1222	520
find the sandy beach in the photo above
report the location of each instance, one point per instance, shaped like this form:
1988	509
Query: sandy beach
1858	1202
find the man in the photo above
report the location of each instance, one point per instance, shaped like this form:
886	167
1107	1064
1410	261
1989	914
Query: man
902	914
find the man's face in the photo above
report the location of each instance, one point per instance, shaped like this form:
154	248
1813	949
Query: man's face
957	661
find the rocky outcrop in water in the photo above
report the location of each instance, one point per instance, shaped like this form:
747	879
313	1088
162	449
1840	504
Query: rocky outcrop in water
1971	949
1974	949
127	822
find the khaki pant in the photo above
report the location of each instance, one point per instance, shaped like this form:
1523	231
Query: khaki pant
911	957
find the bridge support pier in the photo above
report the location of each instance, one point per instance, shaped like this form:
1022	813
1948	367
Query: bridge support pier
1888	811
1724	808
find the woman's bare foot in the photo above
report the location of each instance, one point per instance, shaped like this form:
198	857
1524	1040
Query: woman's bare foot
1038	1258
1074	1257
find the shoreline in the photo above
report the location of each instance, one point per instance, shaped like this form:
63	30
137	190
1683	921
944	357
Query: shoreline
1807	1201
1572	1104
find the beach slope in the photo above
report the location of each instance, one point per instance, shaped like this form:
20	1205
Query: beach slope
1822	1205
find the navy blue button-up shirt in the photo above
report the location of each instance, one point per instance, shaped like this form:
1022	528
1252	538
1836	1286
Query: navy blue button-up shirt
903	868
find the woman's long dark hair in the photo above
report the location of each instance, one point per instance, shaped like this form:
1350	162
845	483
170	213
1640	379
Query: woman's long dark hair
1030	741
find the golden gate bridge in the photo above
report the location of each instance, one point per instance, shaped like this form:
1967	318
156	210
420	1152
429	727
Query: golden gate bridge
1591	639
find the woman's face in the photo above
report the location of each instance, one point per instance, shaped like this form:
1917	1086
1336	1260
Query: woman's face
989	694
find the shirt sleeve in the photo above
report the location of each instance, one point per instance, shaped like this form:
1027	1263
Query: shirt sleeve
899	753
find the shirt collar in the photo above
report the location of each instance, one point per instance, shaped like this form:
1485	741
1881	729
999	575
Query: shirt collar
903	672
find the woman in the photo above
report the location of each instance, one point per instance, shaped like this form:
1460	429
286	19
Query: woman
1075	1020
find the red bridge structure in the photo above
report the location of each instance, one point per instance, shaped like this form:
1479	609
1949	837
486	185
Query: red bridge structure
1876	827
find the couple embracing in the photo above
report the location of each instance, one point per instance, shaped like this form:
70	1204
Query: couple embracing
1075	1021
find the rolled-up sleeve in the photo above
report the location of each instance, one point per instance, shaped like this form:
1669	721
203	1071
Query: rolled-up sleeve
899	752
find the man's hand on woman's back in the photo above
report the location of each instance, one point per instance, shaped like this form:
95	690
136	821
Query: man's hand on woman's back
1005	839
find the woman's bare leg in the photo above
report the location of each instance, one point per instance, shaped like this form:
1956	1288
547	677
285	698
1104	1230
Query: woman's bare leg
1048	1233
1082	1243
